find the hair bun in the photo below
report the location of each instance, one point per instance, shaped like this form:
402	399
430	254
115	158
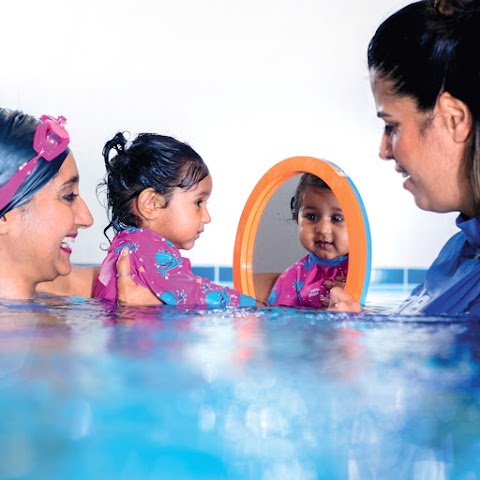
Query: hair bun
117	143
456	8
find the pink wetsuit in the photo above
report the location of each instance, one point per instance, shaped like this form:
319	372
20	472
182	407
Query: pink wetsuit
156	263
301	285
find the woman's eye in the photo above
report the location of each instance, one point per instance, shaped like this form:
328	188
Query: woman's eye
70	197
388	129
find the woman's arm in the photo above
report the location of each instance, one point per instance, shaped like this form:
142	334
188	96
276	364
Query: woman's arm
78	282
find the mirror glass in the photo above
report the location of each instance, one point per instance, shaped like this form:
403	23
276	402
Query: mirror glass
267	238
276	244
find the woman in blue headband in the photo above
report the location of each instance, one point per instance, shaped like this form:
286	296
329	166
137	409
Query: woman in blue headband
41	209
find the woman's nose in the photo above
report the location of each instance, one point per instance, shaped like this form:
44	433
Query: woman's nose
385	152
84	217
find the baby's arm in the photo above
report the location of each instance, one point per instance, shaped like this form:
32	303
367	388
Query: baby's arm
263	284
158	265
283	292
180	286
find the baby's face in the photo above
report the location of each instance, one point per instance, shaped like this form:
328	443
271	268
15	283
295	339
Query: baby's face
184	219
321	225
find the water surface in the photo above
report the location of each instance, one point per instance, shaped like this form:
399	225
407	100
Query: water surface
89	389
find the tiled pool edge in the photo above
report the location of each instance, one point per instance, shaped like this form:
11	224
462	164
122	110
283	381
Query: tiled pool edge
379	276
382	277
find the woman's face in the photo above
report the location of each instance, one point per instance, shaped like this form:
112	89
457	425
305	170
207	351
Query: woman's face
426	155
45	228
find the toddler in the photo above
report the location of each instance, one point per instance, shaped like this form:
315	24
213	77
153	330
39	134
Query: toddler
157	189
323	232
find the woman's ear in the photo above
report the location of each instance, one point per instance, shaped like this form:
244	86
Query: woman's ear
458	116
150	203
6	223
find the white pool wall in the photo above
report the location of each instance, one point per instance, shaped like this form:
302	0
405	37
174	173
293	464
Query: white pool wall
247	84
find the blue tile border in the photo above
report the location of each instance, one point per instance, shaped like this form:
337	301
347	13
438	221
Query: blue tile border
205	272
416	275
387	275
225	274
379	276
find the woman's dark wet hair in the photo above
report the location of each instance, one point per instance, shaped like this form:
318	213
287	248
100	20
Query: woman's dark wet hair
150	161
17	131
307	180
430	47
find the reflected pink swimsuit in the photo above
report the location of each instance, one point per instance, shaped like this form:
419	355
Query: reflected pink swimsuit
301	285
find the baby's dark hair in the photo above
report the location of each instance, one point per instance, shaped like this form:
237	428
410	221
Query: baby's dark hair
150	161
307	180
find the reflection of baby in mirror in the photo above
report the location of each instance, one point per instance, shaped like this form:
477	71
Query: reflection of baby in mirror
323	232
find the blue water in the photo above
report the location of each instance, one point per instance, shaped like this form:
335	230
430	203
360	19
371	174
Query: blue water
91	390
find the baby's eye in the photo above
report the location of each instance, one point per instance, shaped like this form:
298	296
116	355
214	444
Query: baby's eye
310	216
338	218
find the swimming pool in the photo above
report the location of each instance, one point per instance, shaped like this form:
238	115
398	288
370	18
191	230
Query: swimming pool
93	390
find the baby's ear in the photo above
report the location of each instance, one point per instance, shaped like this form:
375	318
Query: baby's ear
150	203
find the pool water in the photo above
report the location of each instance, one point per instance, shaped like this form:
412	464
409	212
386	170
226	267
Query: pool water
93	390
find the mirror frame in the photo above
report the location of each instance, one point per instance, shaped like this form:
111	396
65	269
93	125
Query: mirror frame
359	264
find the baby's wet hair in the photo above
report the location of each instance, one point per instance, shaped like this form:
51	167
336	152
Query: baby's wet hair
307	180
152	161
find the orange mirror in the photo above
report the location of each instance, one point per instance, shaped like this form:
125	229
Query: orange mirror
267	240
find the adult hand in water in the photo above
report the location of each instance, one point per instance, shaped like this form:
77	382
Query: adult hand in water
129	292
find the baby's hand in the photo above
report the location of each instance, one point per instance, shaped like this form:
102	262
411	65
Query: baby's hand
342	301
128	291
338	282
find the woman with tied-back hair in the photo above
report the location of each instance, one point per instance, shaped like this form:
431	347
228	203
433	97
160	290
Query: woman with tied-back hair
41	209
41	212
425	79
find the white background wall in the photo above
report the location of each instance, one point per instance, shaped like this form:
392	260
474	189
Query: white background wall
246	82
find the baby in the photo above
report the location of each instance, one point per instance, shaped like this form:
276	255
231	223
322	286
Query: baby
157	190
323	232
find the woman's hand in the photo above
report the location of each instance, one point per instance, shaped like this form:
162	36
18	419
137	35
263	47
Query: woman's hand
128	291
342	301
